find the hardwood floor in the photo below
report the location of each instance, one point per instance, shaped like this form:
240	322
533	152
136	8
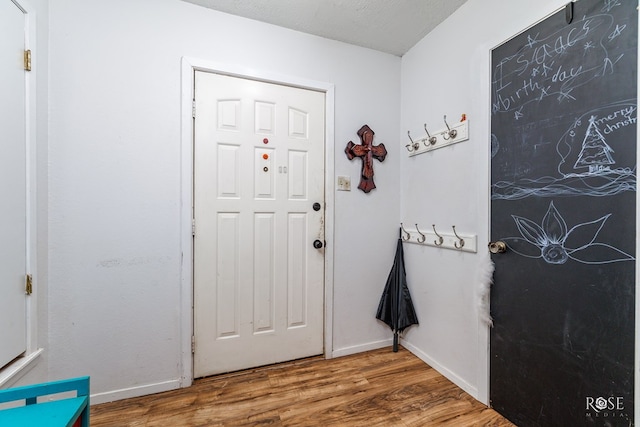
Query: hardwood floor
377	388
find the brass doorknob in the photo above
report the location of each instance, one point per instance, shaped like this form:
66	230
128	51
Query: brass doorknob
497	247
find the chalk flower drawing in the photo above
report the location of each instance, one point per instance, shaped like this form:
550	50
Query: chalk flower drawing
555	243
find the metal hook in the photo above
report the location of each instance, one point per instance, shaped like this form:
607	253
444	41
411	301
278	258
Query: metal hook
410	148
403	233
432	139
440	238
451	132
460	239
413	144
422	237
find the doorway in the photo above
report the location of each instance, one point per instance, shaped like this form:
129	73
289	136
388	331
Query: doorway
258	223
563	210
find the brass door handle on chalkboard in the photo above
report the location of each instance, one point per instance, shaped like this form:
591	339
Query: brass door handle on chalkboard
497	247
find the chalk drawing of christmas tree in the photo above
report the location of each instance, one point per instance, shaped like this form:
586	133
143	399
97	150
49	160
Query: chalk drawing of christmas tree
595	153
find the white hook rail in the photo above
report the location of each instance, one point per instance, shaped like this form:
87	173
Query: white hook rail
453	134
441	237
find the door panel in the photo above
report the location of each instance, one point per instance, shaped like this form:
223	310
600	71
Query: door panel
297	256
259	167
13	190
564	114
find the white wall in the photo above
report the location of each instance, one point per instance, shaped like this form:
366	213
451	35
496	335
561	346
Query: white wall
114	180
448	72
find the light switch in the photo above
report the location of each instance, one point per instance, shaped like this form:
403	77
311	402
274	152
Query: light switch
344	183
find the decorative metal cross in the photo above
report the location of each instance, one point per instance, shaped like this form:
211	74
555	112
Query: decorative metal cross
367	151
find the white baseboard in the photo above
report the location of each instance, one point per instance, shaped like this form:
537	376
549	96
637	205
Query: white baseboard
451	376
126	393
361	348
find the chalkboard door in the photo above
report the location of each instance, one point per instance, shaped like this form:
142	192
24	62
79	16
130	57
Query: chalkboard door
563	149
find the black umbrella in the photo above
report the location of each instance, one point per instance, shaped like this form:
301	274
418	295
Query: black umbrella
396	308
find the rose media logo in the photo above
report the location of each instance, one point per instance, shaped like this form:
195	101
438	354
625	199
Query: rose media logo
605	407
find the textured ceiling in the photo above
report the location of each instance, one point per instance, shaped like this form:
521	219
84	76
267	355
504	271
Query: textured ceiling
392	26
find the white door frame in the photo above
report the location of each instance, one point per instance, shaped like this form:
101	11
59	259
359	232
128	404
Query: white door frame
189	65
15	370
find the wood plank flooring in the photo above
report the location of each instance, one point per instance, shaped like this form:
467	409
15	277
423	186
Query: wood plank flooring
376	388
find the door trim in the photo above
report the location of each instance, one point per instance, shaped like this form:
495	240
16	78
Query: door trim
189	66
35	171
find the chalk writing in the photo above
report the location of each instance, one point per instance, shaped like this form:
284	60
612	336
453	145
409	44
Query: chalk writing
544	66
621	118
563	85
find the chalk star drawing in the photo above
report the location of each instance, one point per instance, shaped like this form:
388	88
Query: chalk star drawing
618	31
556	244
547	69
518	113
588	45
543	93
532	40
609	5
577	122
565	94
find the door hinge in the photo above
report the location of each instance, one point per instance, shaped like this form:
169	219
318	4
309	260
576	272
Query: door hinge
27	60
193	344
28	287
193	108
193	226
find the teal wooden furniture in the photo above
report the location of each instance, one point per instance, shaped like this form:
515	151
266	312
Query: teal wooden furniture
66	412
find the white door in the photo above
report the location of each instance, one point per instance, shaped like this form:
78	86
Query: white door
13	190
258	171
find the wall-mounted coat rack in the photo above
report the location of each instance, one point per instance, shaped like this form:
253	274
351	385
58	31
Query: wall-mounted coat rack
445	238
432	141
